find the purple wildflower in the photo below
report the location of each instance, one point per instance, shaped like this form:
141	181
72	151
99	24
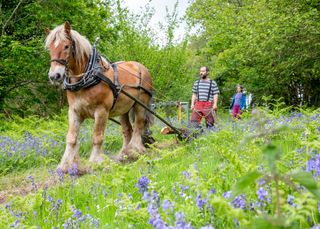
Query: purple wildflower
207	227
239	201
183	189
200	202
157	222
262	197
262	194
60	174
212	191
290	200
143	184
180	222
316	226
34	185
166	204
186	174
73	170
76	213
313	165
146	196
50	199
227	195
261	182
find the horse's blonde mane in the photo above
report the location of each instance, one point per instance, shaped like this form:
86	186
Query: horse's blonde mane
82	45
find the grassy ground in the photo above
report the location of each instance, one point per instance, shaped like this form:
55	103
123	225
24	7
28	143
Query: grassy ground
260	172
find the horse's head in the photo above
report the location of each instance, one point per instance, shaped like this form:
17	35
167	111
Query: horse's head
69	52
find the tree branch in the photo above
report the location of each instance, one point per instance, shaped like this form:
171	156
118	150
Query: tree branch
13	12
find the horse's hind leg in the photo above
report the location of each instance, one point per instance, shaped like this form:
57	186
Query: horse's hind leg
127	134
135	145
71	154
100	117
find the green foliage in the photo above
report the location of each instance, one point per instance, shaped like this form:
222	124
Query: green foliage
271	47
24	62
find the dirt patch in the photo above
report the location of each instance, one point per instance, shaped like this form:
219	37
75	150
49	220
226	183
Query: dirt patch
24	188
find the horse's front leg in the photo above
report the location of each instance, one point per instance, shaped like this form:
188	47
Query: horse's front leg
100	117
71	154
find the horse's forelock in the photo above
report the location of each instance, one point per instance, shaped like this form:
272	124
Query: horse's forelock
82	45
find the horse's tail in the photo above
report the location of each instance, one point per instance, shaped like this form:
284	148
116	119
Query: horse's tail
147	138
148	117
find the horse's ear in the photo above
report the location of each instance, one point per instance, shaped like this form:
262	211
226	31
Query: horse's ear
47	31
67	27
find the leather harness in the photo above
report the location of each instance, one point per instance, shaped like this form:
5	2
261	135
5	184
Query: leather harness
93	75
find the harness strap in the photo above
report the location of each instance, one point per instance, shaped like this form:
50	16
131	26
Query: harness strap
60	61
143	88
209	92
115	73
198	90
112	86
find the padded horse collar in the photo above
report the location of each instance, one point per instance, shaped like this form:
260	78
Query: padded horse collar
92	76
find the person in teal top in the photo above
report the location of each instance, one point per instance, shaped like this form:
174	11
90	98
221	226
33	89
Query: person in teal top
238	102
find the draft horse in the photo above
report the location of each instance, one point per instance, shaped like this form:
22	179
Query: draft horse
93	86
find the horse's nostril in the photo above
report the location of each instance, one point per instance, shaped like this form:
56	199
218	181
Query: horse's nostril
58	76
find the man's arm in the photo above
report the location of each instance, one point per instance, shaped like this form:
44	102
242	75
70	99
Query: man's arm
193	100
215	102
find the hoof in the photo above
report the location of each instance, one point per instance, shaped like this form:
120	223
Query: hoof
96	159
73	169
121	158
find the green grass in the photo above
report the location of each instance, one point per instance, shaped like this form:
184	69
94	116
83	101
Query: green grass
271	147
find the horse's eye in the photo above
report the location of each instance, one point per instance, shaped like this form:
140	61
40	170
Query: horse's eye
66	47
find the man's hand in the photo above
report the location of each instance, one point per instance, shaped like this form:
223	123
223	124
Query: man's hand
215	107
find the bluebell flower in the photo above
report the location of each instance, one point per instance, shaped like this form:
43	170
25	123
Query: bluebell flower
186	174
166	204
239	202
212	191
73	170
180	222
50	199
146	196
290	200
143	184
199	201
157	222
76	213
262	197
60	174
227	194
262	194
316	226
207	227
313	165
59	202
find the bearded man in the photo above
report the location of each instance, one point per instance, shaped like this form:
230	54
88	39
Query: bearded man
204	99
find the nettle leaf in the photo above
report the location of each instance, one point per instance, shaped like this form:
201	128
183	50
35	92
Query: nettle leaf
306	179
245	182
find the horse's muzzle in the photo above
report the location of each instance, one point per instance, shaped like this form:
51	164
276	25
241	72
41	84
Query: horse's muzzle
56	78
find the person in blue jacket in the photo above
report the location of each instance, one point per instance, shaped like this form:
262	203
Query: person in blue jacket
238	102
